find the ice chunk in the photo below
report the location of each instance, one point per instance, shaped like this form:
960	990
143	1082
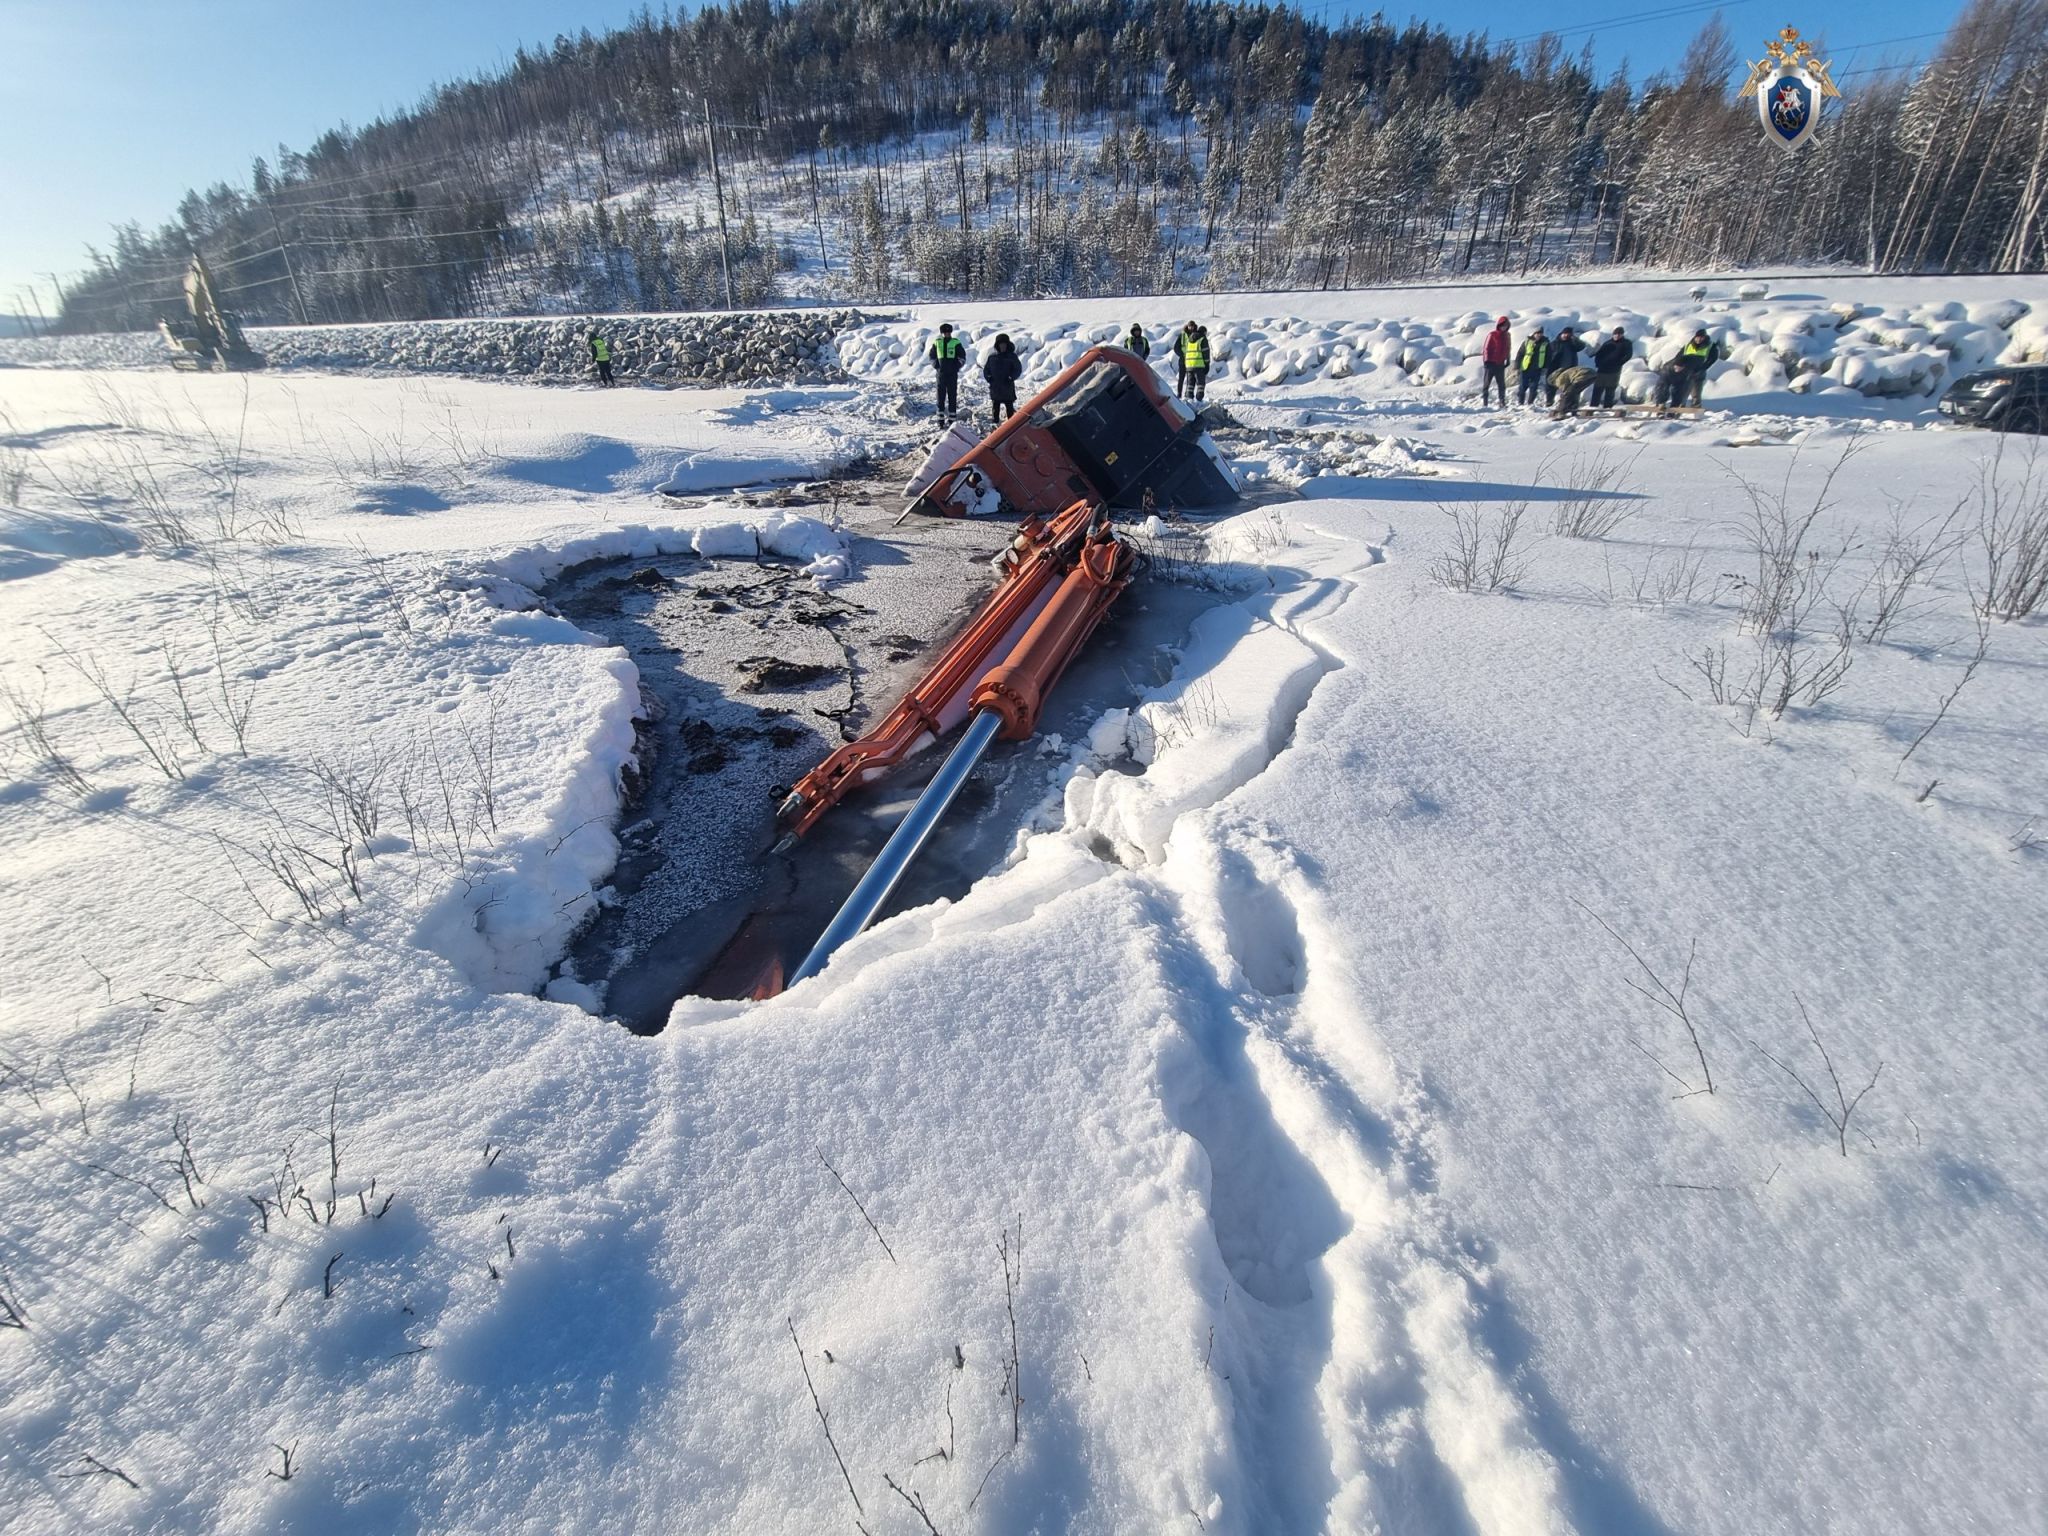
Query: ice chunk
724	540
800	538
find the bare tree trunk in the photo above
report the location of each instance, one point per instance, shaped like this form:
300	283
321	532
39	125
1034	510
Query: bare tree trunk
1927	228
2013	253
1962	223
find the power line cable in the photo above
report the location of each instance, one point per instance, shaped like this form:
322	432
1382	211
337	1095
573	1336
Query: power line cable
433	234
1632	18
376	171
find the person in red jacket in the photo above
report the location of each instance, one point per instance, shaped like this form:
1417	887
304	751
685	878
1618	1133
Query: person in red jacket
1499	347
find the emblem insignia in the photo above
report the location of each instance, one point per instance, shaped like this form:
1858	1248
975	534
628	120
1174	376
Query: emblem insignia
1789	84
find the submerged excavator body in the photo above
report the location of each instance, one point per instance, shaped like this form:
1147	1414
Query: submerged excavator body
1104	429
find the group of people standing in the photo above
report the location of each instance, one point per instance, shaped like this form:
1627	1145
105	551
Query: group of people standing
948	356
1565	367
1190	353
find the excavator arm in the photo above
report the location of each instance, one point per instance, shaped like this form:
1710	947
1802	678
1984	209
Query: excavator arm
1039	566
1005	702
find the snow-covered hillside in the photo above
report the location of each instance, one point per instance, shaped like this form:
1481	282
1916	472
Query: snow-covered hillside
1536	1026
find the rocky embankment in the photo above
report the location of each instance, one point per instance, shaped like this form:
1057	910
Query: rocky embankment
1801	344
782	346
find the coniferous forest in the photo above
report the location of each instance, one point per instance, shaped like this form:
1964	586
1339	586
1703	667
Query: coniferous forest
854	150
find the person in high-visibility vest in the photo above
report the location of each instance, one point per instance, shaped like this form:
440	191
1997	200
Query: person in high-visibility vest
1191	350
1137	342
1694	359
1529	364
601	354
948	355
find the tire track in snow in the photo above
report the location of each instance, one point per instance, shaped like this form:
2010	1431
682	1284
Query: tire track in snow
1350	1330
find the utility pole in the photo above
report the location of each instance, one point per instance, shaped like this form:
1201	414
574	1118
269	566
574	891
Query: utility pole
289	271
818	214
718	182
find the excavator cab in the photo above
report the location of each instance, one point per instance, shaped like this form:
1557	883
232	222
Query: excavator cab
1104	430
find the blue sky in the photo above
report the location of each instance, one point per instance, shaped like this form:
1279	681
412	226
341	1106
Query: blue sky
110	109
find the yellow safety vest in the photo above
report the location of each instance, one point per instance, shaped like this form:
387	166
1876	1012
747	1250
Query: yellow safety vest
1194	351
946	349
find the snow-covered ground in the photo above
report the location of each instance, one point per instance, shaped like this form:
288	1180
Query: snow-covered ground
1284	1141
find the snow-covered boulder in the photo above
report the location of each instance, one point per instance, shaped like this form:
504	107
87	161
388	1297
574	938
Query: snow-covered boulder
2003	313
2029	340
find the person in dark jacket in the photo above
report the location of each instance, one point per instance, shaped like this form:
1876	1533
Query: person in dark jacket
1608	360
1137	341
1494	358
947	355
1564	353
601	354
1530	366
1002	370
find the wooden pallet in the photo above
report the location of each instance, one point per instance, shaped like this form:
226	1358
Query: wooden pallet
1654	412
1689	412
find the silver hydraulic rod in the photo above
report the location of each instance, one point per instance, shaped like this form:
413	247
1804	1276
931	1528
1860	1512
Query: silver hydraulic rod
904	844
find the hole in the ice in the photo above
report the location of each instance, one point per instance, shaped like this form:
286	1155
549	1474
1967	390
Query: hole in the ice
1099	845
750	675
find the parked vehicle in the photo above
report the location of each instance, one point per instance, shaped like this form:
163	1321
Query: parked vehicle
2009	399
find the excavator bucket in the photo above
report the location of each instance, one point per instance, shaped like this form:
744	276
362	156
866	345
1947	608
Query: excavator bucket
1104	430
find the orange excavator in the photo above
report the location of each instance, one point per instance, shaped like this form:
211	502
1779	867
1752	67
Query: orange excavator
1058	578
1101	432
